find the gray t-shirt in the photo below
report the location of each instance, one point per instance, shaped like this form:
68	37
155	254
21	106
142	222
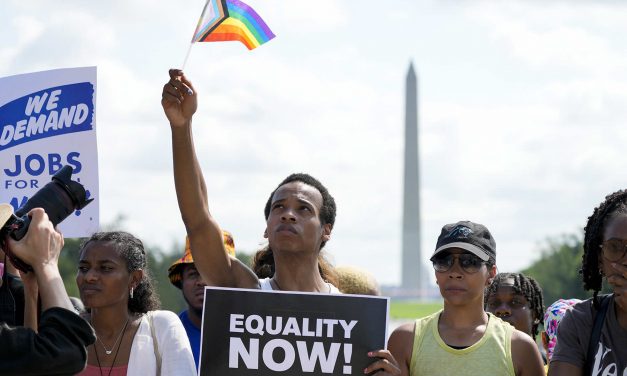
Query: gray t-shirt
573	335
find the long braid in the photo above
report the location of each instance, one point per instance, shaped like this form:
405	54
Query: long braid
614	204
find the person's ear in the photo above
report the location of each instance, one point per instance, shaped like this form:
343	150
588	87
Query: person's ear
136	278
326	232
265	233
493	271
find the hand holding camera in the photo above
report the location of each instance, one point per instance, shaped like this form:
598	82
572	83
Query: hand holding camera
42	244
59	199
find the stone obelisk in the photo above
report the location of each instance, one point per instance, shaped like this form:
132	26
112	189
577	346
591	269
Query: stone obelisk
412	261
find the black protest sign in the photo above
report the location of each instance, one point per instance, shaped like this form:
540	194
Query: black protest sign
254	332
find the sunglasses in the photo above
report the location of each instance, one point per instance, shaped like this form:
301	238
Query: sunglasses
469	262
614	249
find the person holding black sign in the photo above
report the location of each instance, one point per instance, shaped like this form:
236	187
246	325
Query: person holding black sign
300	215
58	345
463	338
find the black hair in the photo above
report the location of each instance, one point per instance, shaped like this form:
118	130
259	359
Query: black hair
263	262
527	287
327	211
131	249
614	205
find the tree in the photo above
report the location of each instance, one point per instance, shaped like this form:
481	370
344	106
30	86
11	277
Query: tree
557	270
245	258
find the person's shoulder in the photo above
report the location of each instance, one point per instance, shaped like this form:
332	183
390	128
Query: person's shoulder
404	329
581	314
163	316
522	340
525	354
583	306
408	330
401	344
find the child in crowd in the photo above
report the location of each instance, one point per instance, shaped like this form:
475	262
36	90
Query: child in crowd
605	255
517	299
463	339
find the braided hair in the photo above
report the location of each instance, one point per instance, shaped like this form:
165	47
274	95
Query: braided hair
615	204
527	287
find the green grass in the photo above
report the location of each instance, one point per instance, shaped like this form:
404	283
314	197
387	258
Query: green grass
409	309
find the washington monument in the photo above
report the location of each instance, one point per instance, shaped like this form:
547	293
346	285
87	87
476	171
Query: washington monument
412	278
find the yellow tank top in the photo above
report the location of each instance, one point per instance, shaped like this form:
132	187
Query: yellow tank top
491	355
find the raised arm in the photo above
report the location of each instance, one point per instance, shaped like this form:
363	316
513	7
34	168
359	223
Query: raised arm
179	102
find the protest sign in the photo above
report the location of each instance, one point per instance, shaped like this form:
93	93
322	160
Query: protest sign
47	121
254	332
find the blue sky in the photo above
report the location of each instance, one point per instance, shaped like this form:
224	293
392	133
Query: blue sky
522	115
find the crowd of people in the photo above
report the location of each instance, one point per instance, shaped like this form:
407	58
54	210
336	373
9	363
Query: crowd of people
489	324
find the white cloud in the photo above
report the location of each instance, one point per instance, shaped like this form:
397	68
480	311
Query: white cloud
522	115
559	35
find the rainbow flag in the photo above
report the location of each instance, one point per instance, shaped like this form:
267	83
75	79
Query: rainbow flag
231	20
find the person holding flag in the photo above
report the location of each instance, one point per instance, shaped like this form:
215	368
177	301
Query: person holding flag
300	215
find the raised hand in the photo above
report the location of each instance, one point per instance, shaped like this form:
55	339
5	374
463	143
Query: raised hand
178	99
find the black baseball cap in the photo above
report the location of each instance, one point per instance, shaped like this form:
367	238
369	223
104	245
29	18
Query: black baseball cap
472	237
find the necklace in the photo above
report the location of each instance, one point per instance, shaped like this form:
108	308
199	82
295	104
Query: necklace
279	287
116	352
107	351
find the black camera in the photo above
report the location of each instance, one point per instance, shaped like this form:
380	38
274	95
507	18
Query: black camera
59	199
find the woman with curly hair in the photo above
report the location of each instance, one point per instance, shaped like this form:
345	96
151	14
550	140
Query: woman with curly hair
133	336
604	257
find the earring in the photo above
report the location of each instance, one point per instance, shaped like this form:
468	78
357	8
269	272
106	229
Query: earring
131	293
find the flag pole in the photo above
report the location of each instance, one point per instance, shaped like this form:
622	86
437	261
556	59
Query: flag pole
187	55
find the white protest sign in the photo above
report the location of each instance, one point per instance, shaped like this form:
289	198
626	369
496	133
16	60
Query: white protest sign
47	121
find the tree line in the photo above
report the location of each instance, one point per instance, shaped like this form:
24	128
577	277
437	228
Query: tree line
158	263
557	269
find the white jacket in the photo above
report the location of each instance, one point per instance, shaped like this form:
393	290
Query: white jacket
176	353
